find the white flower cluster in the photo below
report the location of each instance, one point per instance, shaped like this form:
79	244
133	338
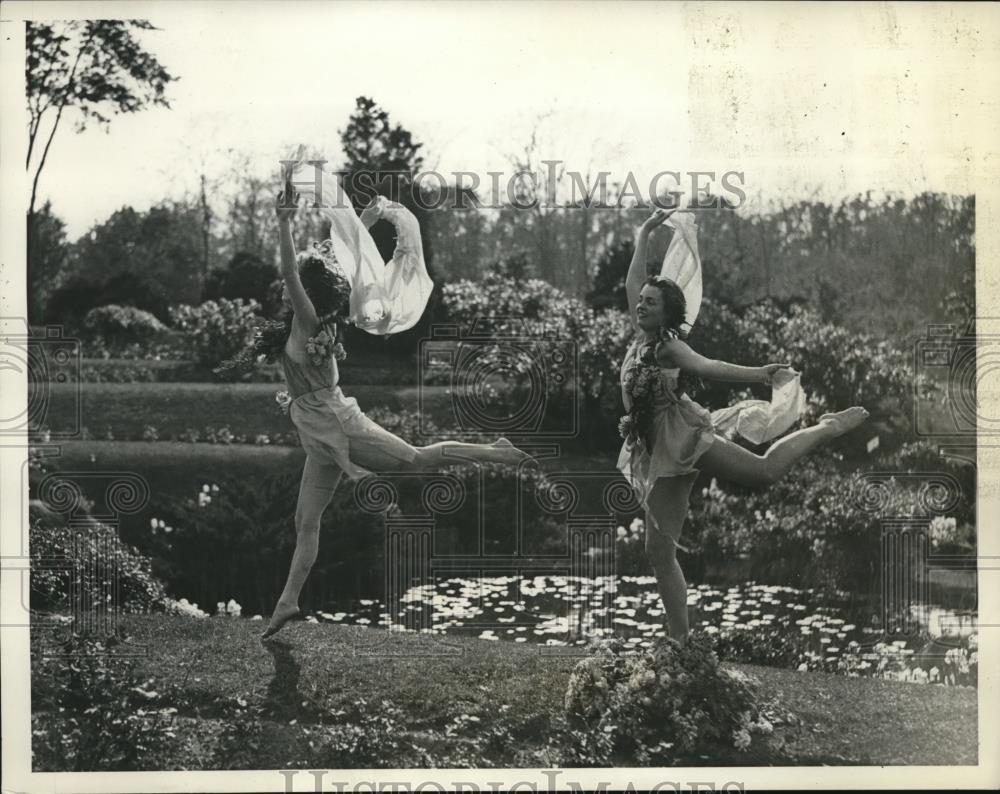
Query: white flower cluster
158	524
713	490
184	607
636	531
231	609
205	495
943	530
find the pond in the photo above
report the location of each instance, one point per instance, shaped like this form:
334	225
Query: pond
766	624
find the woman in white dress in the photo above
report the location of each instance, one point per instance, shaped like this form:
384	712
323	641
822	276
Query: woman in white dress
669	438
344	279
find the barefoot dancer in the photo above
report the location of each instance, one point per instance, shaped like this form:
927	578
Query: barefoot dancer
320	289
670	438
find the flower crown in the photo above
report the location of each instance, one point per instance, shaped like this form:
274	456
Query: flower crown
326	253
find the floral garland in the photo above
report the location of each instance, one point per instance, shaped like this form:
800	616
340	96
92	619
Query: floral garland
644	386
325	345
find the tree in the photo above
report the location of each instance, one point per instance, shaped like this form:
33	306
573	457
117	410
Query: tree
96	67
246	276
609	281
382	158
47	256
161	247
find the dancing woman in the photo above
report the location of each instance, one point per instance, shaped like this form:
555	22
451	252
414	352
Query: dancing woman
323	285
669	438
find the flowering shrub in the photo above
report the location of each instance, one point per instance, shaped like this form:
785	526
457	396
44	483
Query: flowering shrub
661	706
925	457
809	529
215	330
840	367
537	310
123	324
56	547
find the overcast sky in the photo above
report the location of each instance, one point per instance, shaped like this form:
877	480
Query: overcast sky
804	99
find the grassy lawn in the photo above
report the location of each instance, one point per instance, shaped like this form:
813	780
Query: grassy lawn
446	694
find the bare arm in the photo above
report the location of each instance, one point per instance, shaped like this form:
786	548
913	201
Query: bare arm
676	353
637	267
305	312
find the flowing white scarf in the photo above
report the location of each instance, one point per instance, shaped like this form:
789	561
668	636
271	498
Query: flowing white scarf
386	298
756	420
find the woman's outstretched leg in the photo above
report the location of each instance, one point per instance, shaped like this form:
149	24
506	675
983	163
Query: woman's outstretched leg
319	481
448	453
667	508
732	462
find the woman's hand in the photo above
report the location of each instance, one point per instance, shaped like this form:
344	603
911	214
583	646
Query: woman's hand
768	370
282	208
656	219
372	212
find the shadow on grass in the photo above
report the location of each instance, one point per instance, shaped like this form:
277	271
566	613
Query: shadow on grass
283	698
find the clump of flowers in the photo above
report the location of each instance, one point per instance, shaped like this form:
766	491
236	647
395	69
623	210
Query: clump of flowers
205	494
230	608
284	400
324	346
662	705
635	533
644	387
184	607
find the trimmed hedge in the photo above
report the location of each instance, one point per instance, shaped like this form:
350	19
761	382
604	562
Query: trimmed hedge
165	370
178	468
249	409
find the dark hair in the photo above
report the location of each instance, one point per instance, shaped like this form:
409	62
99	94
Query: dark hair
674	307
674	316
327	288
330	294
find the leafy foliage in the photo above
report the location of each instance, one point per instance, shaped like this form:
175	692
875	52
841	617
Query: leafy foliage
215	330
92	711
48	253
249	277
160	247
59	552
96	66
123	324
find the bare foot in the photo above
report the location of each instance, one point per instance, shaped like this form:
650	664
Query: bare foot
514	455
842	421
282	614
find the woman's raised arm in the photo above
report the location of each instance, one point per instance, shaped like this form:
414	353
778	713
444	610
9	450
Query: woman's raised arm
305	312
